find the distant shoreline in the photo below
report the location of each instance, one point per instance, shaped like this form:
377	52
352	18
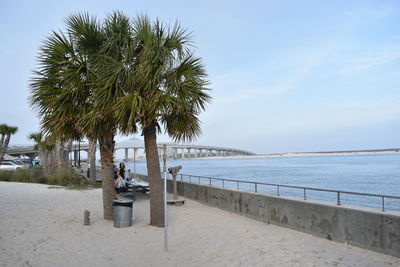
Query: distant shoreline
302	154
335	153
312	154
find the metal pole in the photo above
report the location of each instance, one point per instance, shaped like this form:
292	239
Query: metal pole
134	160
79	154
165	198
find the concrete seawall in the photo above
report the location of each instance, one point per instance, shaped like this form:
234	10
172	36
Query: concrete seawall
361	227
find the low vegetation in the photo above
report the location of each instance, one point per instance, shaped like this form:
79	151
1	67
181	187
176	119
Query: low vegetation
63	177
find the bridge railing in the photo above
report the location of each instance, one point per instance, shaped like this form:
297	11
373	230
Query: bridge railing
256	185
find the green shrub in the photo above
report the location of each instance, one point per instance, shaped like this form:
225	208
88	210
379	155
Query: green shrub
43	180
6	175
52	180
64	177
37	172
23	175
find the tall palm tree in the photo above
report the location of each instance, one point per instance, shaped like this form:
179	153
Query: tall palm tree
6	132
37	138
3	131
63	92
100	122
166	90
122	75
46	150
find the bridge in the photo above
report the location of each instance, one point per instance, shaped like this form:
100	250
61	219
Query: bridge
173	150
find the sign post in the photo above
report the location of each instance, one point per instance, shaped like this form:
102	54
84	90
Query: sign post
165	197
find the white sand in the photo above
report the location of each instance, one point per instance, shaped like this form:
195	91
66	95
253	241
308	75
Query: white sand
44	227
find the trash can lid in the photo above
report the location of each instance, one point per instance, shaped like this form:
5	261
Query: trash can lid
123	201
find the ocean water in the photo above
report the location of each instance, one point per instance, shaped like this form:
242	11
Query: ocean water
374	173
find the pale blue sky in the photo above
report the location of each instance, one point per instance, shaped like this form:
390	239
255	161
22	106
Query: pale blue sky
286	75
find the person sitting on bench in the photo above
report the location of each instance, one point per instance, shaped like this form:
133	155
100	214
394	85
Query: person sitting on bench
120	185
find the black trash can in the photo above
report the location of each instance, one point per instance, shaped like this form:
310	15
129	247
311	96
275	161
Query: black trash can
123	212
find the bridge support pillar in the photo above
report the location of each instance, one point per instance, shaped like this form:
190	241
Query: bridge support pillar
183	152
75	157
160	153
126	154
135	154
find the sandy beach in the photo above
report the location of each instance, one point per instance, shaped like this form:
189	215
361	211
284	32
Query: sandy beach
43	226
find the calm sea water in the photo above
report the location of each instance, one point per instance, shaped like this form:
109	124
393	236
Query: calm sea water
376	174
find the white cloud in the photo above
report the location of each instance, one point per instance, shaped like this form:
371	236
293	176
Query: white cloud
371	60
272	78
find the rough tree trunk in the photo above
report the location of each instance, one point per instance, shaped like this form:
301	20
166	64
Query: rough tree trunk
154	174
92	159
58	154
46	163
66	153
53	159
4	147
3	136
42	156
107	177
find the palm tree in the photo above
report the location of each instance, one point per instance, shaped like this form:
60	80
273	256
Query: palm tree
100	123
47	151
38	141
62	93
166	90
6	132
122	75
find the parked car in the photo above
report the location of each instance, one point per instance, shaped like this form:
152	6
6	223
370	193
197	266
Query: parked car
9	166
20	163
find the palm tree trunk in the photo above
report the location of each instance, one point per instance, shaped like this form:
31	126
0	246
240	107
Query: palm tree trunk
66	153
154	174
42	156
46	163
58	151
53	159
5	146
92	159
107	177
3	135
